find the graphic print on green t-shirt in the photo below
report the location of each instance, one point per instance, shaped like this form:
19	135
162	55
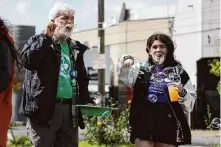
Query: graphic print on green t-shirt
64	83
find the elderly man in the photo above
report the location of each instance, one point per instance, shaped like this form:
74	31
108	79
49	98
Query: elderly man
55	80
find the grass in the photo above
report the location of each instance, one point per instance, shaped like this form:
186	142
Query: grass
85	144
81	144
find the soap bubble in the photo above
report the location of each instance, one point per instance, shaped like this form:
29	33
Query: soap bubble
97	96
174	77
215	123
152	98
106	114
137	72
177	78
111	67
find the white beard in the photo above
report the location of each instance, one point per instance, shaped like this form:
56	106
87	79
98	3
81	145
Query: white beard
62	33
158	60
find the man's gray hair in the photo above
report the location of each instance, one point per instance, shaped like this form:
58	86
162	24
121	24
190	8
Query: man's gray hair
59	8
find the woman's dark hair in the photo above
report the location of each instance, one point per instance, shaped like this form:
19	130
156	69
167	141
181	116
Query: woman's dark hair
170	60
13	50
2	22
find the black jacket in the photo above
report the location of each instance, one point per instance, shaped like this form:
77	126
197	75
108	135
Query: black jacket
41	57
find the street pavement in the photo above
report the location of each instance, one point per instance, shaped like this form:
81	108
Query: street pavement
199	138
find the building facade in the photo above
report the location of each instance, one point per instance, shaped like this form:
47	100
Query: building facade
196	33
187	35
195	29
21	35
127	37
210	28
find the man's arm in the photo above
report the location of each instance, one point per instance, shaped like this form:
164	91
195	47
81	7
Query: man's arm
5	65
82	77
35	50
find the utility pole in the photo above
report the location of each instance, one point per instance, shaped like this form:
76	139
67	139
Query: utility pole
101	72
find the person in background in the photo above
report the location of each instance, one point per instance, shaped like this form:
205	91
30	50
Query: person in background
162	94
7	61
55	81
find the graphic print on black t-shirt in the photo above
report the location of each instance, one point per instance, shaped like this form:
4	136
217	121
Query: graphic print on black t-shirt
159	86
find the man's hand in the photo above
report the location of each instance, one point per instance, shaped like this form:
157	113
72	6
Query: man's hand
49	31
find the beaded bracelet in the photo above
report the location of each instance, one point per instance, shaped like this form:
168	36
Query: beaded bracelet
183	93
128	57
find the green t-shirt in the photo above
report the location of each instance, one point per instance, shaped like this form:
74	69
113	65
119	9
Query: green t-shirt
64	83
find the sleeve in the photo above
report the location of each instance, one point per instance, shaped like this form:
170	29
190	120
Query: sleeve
128	75
35	50
188	97
5	65
83	80
80	47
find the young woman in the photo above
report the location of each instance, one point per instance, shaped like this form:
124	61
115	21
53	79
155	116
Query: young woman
163	93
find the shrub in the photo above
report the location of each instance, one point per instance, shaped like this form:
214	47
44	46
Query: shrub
108	131
20	141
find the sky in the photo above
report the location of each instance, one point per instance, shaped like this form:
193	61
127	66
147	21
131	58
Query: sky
35	12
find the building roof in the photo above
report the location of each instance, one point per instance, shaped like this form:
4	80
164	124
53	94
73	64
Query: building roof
138	20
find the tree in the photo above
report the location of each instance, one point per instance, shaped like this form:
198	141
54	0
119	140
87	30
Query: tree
215	70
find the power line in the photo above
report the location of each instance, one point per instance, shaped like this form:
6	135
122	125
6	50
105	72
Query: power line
193	32
186	12
178	34
155	28
186	16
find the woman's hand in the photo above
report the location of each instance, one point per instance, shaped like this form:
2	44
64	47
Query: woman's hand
128	62
179	87
181	90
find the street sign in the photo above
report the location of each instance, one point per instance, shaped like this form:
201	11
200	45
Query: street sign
92	74
110	22
99	61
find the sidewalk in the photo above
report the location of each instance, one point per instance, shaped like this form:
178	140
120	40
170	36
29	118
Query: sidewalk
203	138
205	133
